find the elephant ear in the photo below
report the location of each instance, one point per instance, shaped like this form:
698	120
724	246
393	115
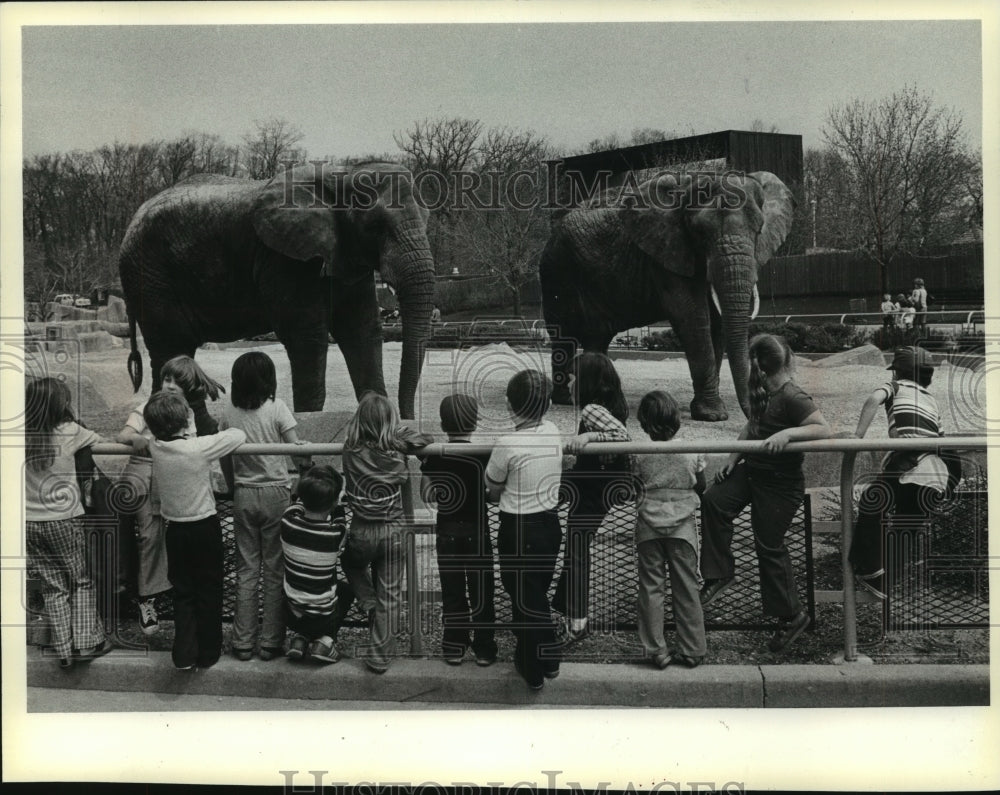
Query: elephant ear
777	205
293	216
654	221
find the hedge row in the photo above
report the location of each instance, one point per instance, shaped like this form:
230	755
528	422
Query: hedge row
833	337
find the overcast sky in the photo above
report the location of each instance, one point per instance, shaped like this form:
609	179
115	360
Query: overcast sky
349	87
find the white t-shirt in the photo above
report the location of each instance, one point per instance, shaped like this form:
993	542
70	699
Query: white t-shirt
262	425
529	464
182	472
52	494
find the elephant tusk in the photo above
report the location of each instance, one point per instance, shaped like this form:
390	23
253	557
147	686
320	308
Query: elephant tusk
715	299
756	303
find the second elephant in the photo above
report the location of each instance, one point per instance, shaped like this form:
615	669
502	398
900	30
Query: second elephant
683	248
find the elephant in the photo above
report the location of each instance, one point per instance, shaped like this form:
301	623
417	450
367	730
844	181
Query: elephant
216	258
679	247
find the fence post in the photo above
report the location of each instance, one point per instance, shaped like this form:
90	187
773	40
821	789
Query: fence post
850	652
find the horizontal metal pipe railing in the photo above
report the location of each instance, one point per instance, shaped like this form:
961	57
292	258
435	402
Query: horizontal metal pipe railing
849	447
604	448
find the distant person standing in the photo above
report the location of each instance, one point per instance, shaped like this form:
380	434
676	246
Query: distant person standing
435	315
889	310
918	298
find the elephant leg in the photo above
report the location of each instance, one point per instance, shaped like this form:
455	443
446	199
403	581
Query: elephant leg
357	329
308	363
299	320
691	321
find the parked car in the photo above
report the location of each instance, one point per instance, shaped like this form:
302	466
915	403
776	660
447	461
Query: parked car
82	302
66	299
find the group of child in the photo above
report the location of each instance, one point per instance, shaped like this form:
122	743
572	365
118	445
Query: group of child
907	311
292	548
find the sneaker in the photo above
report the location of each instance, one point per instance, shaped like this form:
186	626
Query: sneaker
323	652
453	660
661	660
485	662
297	648
570	636
149	622
788	630
86	655
267	653
243	654
873	583
551	672
712	589
531	686
185	667
66	663
677	658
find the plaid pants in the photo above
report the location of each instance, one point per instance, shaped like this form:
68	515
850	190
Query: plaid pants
56	558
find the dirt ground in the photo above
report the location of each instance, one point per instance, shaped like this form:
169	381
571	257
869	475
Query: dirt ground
105	395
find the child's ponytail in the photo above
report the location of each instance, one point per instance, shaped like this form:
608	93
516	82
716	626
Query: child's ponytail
769	354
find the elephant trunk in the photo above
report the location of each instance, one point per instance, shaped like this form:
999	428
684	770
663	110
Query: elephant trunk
413	270
736	297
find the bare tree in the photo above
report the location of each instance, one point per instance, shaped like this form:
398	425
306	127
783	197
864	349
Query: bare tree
272	142
436	150
504	232
904	159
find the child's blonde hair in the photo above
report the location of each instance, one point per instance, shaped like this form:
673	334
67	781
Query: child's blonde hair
188	375
374	424
47	405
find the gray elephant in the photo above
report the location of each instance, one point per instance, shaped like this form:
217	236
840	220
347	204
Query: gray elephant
216	259
682	248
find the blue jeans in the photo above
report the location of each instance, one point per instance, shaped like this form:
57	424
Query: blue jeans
259	560
373	563
773	497
527	546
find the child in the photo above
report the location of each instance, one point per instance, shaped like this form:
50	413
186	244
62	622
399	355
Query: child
260	498
375	449
666	538
464	550
54	535
598	390
771	482
182	473
523	475
313	535
906	311
889	310
141	527
906	475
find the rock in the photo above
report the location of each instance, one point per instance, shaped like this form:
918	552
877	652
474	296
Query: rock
90	341
114	312
863	355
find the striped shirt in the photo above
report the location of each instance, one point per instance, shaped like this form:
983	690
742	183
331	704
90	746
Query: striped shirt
911	410
312	548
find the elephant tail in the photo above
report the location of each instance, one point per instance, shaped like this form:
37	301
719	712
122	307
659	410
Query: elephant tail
134	358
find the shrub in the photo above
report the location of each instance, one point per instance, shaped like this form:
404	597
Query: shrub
665	340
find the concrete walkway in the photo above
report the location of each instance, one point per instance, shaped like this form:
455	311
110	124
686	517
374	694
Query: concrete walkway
432	683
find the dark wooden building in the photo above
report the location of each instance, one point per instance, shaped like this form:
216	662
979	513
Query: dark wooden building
741	150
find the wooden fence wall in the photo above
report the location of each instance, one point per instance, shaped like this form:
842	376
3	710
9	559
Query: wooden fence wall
852	274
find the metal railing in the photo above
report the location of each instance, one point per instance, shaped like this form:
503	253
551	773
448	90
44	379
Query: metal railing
849	448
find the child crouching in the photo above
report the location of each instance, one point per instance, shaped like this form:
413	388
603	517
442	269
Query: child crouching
313	535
